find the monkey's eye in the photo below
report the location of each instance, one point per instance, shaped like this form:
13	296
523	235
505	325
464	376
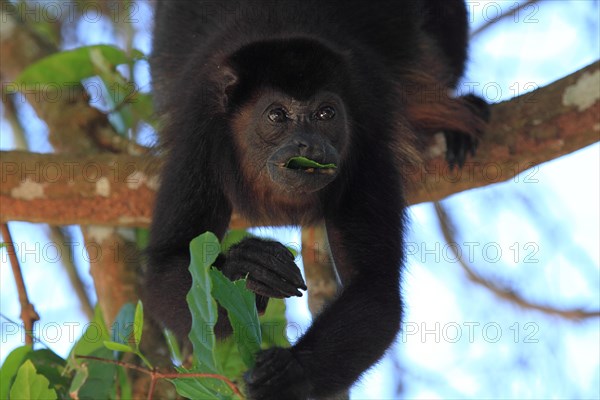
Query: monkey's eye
325	113
277	115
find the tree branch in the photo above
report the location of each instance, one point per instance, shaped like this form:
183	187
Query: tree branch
57	235
508	294
28	314
523	132
510	13
156	374
117	190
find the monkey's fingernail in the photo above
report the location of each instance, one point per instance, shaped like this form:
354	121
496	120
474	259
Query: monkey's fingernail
300	283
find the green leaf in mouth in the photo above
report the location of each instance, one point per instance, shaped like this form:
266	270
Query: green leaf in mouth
304	163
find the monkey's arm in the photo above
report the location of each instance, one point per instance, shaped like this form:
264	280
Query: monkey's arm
355	330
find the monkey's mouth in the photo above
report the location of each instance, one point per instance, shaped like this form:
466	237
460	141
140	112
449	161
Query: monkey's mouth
309	166
301	175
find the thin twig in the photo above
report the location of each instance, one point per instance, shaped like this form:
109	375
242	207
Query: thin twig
503	293
12	116
28	314
111	141
156	374
491	22
152	387
58	236
37	340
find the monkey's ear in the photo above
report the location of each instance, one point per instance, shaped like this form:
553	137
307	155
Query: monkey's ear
228	76
226	79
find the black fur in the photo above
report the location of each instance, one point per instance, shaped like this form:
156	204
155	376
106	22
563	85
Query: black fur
216	66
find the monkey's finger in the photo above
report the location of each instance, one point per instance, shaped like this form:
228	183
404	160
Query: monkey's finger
461	148
474	144
290	272
271	280
284	268
266	291
450	148
263	290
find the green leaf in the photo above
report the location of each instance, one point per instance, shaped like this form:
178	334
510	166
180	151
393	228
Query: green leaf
173	345
127	328
99	378
91	340
142	237
241	310
2	244
102	379
203	251
30	385
46	363
68	67
142	107
195	389
228	354
273	325
52	366
118	347
303	162
233	236
122	329
44	27
125	389
78	381
292	250
138	323
10	367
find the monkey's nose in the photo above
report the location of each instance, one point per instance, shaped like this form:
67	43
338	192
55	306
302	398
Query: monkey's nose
302	143
309	146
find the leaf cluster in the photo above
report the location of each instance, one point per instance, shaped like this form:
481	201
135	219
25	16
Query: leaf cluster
93	369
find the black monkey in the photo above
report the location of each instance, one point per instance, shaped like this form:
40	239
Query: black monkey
244	87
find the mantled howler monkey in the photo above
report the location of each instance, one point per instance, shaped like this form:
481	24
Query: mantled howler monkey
354	85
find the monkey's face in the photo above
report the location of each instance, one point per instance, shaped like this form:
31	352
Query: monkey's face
299	143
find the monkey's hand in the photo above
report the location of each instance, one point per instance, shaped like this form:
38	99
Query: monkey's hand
277	375
460	144
268	266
